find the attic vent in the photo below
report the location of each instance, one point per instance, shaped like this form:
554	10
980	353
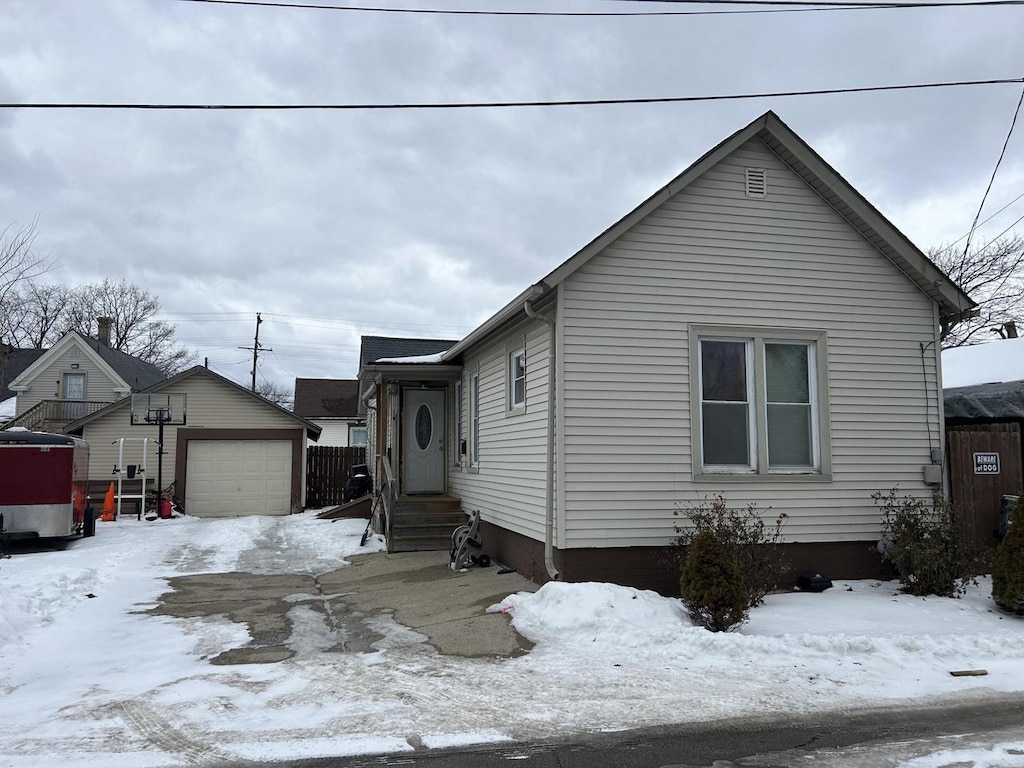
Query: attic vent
757	182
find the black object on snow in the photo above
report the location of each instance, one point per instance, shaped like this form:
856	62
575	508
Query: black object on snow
813	582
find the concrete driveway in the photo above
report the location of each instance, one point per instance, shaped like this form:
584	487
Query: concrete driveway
416	589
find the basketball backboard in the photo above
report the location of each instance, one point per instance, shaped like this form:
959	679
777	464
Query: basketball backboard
150	410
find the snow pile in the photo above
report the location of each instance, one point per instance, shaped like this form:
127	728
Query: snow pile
87	675
8	408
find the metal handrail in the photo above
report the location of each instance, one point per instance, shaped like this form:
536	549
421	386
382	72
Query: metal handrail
388	495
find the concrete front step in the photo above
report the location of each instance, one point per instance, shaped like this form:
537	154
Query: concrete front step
420	544
424	523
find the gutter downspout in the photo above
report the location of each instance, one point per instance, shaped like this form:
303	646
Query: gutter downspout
549	502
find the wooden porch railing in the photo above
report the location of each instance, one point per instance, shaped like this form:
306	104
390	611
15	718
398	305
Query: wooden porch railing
55	415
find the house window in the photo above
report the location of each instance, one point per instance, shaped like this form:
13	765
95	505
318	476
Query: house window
517	379
474	419
460	439
357	437
759	403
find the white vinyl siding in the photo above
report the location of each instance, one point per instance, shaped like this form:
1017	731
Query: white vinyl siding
508	484
712	256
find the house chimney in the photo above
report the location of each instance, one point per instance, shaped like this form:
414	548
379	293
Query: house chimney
103	329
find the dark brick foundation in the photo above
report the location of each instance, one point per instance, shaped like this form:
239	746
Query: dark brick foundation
657	568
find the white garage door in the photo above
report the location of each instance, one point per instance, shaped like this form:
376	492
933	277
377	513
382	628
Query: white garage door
227	478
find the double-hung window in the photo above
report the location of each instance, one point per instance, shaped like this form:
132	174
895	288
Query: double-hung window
517	379
474	419
760	402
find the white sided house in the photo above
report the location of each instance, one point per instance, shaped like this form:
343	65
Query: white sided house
755	329
236	453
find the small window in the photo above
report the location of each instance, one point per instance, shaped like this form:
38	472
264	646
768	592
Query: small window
357	437
474	419
517	379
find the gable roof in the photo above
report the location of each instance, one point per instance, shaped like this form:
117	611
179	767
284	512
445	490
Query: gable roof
373	348
312	430
780	139
316	398
16	362
130	372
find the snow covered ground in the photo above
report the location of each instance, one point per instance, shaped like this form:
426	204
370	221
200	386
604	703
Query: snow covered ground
85	676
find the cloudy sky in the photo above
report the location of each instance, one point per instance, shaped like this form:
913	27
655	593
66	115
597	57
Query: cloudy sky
334	224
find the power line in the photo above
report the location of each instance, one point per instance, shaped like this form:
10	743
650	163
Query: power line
992	178
507	104
981	224
774	6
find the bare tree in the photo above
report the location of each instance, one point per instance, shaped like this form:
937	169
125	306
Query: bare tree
134	328
275	393
19	263
994	277
38	311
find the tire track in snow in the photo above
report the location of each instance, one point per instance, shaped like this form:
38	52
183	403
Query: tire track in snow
144	721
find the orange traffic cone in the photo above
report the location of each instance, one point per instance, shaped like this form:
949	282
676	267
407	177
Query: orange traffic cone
108	505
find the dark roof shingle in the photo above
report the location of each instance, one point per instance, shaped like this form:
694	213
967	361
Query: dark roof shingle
315	398
373	348
17	361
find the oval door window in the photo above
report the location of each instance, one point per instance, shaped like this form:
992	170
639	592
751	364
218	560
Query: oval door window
424	426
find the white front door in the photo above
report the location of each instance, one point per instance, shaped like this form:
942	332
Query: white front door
423	441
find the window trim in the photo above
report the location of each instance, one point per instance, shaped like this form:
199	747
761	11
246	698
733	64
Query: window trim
817	340
458	425
474	419
511	404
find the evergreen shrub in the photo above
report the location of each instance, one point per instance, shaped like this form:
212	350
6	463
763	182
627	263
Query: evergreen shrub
753	547
711	586
1008	564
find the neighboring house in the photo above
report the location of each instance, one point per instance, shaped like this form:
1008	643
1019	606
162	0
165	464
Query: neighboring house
237	453
754	329
74	377
333	405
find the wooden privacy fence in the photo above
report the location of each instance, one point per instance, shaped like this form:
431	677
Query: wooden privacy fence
984	465
327	469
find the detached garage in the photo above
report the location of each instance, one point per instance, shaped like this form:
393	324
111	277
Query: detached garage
237	454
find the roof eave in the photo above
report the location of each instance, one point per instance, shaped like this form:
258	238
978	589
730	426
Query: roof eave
414	371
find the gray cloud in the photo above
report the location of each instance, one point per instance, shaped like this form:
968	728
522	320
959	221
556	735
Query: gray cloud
423	222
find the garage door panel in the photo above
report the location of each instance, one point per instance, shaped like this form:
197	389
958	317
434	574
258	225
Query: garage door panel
227	478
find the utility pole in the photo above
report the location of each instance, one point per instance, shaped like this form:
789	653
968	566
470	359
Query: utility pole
255	349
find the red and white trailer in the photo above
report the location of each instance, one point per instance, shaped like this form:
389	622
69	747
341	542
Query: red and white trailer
43	485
